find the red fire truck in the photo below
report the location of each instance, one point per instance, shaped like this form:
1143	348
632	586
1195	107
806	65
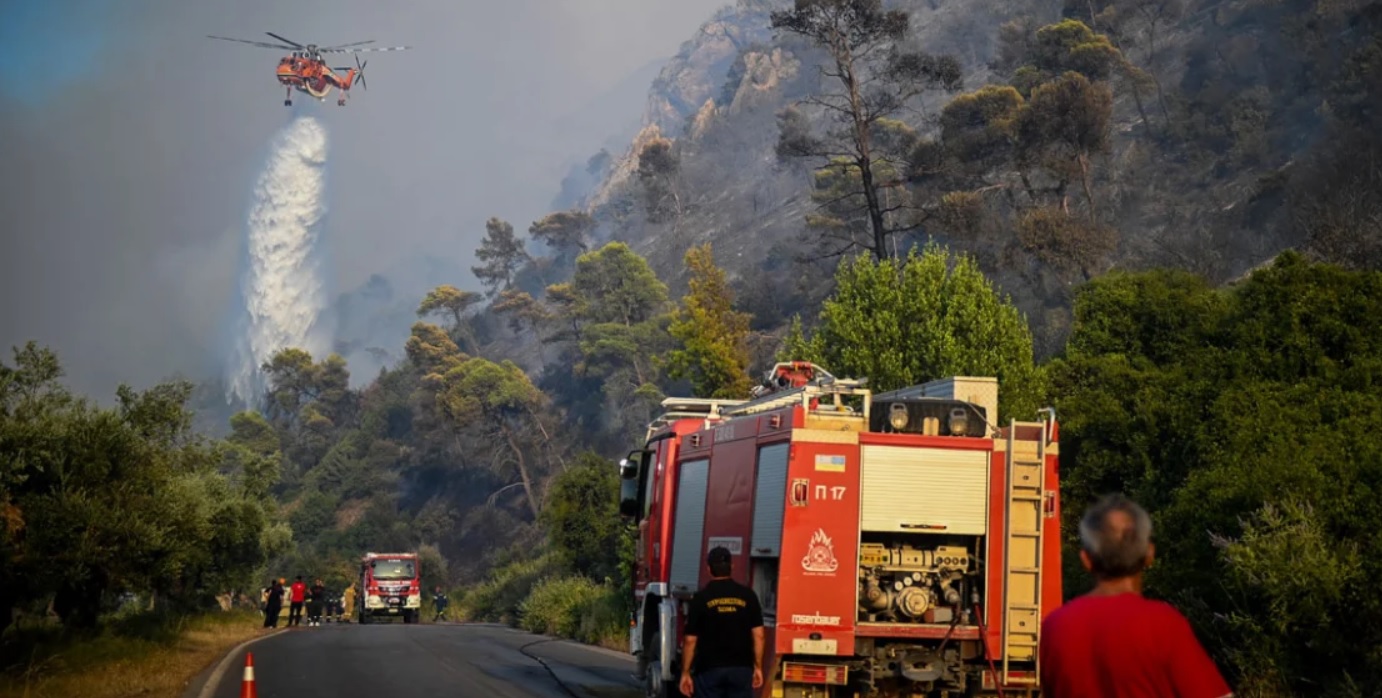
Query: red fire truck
901	543
390	586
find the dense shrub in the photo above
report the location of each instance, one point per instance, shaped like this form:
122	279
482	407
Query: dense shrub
555	605
499	598
577	608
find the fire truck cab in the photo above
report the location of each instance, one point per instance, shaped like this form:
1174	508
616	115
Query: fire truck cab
901	544
390	586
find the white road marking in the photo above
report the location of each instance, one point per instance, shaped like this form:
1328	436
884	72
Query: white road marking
212	683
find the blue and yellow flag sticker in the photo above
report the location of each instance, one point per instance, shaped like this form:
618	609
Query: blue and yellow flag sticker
832	464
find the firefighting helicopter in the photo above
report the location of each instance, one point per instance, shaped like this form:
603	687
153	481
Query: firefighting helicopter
304	69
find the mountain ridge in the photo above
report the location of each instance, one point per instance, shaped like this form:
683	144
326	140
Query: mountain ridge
1198	145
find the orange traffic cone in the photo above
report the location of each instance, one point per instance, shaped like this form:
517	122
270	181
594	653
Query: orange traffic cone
247	689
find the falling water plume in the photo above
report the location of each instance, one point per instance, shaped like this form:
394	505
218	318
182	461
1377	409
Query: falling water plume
282	289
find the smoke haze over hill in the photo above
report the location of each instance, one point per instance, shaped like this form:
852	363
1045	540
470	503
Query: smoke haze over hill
126	186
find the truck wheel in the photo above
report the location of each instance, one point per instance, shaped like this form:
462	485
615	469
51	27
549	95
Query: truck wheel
654	686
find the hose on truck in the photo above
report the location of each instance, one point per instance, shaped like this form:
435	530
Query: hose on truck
984	642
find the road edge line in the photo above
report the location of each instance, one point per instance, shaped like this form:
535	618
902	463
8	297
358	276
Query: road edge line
213	681
616	654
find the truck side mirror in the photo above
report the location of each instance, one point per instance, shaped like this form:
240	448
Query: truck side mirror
628	488
628	499
632	471
628	469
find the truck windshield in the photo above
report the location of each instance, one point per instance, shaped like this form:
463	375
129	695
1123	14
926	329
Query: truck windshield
393	569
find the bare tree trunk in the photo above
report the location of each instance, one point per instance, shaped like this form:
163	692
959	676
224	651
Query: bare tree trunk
1137	100
676	196
863	150
1151	70
522	469
541	355
1088	186
880	232
547	439
865	161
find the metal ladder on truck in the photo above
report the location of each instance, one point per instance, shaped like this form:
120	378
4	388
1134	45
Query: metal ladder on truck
836	389
1022	554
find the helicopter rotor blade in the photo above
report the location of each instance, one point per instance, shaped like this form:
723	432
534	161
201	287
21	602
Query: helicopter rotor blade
359	71
260	44
286	41
364	50
338	46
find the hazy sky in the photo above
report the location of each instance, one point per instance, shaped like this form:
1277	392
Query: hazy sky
129	145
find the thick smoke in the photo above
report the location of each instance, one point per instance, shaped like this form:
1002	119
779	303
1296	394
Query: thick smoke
282	290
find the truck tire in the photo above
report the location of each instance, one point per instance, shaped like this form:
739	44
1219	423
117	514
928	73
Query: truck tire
654	686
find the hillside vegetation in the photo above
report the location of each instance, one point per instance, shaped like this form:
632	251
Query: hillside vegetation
1245	417
1051	141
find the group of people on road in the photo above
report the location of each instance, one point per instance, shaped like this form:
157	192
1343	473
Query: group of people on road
1109	643
313	598
318	603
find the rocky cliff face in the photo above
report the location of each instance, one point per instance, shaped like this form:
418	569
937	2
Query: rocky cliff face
718	99
691	79
1192	175
697	72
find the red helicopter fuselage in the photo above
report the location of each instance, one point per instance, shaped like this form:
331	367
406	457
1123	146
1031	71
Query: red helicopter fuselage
313	77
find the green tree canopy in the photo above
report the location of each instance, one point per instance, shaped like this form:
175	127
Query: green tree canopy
614	318
1245	419
582	517
713	336
614	284
448	301
564	231
905	322
99	501
659	175
501	401
501	254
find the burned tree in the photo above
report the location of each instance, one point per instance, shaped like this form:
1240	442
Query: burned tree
877	80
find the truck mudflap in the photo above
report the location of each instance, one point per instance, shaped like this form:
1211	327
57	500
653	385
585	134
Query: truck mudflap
667	619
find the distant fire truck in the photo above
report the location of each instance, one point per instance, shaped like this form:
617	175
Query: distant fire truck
901	545
390	586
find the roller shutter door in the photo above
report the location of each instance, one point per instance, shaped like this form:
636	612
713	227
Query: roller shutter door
769	500
690	526
906	490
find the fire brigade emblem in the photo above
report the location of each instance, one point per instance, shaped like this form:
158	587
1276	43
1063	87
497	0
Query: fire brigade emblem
820	554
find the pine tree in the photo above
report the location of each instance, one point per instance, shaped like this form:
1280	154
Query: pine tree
713	336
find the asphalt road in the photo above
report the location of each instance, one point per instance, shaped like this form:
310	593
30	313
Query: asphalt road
398	661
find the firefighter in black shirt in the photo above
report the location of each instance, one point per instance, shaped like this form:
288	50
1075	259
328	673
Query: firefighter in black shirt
728	617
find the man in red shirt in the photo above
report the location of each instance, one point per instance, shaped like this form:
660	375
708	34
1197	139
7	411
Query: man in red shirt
299	594
1112	642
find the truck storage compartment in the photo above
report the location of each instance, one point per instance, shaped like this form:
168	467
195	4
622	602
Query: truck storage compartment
687	558
769	500
924	490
